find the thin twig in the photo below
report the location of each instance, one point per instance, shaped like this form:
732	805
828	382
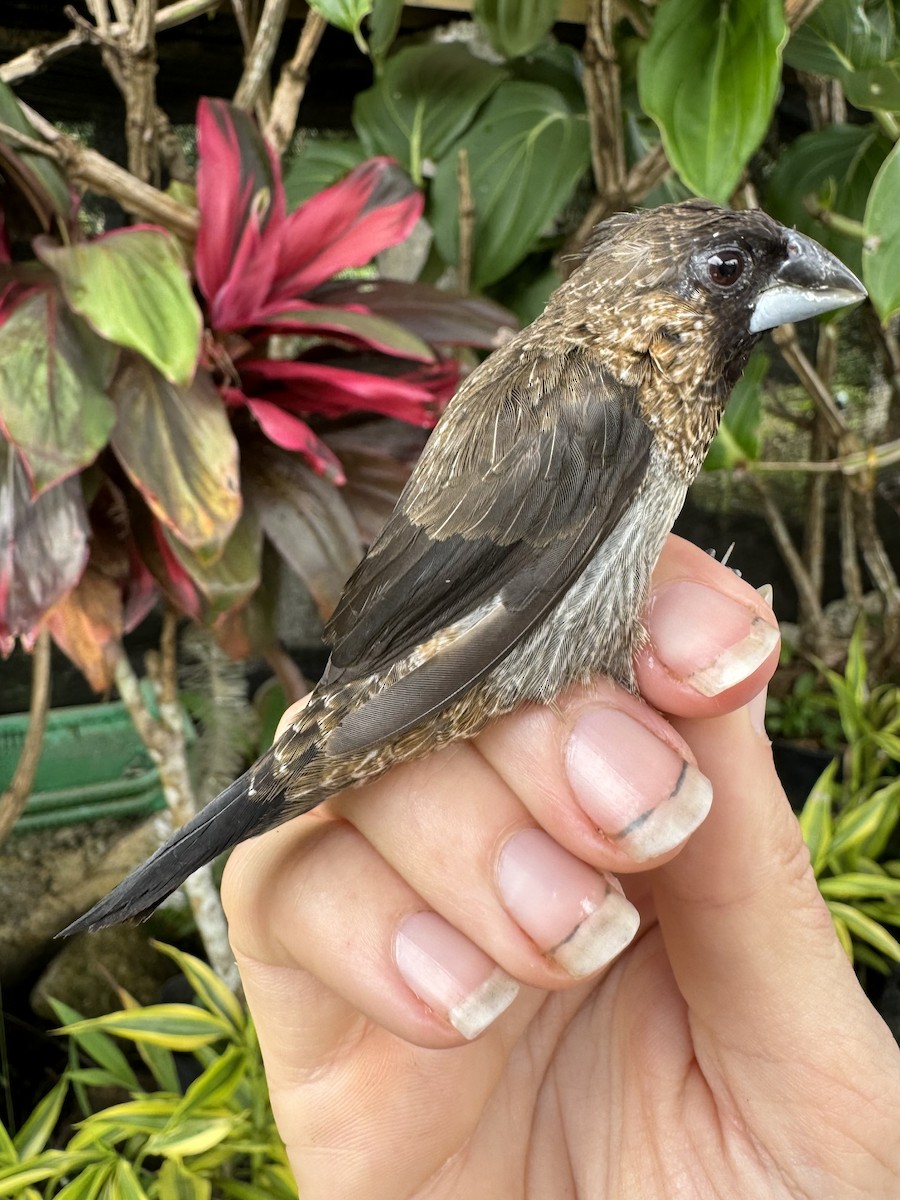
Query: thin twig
870	459
14	799
604	107
810	605
785	338
851	575
265	43
292	83
293	682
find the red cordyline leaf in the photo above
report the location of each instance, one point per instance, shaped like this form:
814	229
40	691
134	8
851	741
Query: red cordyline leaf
346	225
178	585
303	386
290	432
241	203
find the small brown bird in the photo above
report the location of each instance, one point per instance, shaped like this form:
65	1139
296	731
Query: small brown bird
518	558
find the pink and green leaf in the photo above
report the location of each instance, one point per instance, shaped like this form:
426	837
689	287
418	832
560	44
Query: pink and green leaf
353	324
43	548
177	447
53	376
234	575
132	286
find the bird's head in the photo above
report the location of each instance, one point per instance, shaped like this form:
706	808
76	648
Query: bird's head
691	286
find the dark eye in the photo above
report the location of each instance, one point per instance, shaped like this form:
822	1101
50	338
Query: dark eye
725	268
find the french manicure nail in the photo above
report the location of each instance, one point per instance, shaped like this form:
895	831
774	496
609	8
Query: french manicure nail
692	624
578	917
767	592
642	794
451	974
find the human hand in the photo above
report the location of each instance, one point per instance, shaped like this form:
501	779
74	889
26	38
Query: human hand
728	1051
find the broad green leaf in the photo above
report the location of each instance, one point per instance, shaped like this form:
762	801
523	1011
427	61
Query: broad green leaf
521	128
737	441
43	547
559	66
41	182
98	1046
176	1182
867	930
856	42
881	249
345	14
191	1136
708	76
178	449
515	28
209	989
37	1130
815	818
384	22
832	169
53	376
318	164
133	288
426	97
174	1026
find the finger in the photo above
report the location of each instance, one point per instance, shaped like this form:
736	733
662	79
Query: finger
713	639
746	930
462	839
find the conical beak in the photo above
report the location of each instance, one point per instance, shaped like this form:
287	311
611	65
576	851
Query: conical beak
809	282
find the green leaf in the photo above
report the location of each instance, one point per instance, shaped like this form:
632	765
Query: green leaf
737	441
124	1184
133	288
881	249
522	128
832	169
815	818
89	1184
856	886
98	1046
867	930
865	829
855	42
234	575
177	446
843	934
49	1165
53	376
515	28
218	1083
41	182
35	1133
191	1136
174	1026
345	14
318	164
8	1154
382	27
213	994
426	97
176	1182
709	76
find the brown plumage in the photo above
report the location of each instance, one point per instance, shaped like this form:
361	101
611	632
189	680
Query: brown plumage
518	558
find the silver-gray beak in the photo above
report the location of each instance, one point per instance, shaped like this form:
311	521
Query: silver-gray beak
811	281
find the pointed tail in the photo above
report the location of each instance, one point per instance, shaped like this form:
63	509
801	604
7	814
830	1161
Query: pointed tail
224	822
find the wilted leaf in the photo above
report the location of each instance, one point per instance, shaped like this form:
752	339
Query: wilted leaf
43	548
708	76
133	287
521	128
515	28
881	250
53	376
426	97
833	168
87	626
440	318
737	441
318	164
179	451
306	519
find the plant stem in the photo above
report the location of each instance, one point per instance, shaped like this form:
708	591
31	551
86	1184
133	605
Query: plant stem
14	799
466	218
265	43
292	84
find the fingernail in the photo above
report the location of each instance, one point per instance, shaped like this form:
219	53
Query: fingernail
642	794
767	592
756	710
691	624
451	974
576	916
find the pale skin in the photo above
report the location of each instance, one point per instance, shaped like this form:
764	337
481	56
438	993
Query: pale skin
727	1051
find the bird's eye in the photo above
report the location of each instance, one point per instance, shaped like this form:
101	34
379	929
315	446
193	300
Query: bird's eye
726	268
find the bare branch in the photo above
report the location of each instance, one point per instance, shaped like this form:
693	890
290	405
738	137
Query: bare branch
265	43
292	83
466	218
14	799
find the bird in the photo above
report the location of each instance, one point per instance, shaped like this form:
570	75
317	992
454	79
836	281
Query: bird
518	557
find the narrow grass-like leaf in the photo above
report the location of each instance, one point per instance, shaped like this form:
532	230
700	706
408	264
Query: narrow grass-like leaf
867	930
35	1133
815	817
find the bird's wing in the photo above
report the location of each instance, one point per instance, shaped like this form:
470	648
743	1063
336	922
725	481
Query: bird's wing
536	468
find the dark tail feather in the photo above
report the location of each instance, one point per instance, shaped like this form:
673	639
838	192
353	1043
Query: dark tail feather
224	822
